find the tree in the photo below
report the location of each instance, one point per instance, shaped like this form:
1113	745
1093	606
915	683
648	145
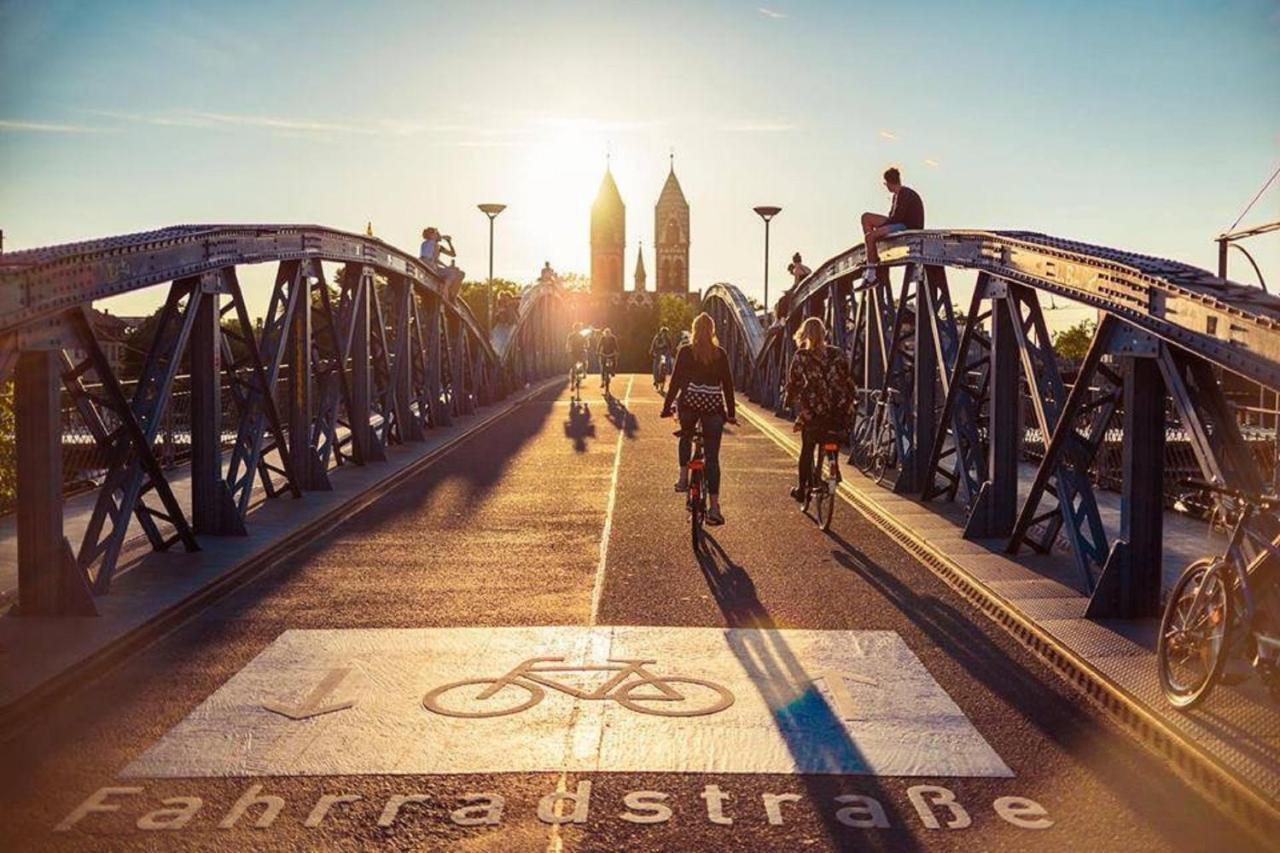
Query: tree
476	295
674	312
8	456
1073	342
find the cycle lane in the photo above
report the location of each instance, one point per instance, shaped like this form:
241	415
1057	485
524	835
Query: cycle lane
771	571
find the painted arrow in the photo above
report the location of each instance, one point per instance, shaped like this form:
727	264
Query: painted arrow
313	705
837	683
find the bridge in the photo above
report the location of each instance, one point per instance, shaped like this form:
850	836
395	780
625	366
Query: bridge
374	499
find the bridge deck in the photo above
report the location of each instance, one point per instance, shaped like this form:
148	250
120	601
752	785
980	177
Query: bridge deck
555	517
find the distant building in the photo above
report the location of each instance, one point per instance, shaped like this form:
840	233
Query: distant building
111	331
608	238
640	274
671	237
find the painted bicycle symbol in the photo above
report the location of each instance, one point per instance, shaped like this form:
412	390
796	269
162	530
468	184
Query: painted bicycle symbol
633	687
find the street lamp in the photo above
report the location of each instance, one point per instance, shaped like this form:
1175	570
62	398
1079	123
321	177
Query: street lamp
491	211
766	213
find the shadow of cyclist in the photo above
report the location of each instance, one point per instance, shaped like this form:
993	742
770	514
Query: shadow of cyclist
815	735
578	428
622	418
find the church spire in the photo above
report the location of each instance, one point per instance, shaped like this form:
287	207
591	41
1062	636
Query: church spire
640	274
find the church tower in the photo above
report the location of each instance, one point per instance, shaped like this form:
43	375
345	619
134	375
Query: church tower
640	275
608	237
671	236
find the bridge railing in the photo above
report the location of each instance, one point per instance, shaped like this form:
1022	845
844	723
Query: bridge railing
333	374
945	419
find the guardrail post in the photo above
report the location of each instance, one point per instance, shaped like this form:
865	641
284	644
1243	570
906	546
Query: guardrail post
996	507
212	511
49	581
361	367
1129	586
915	467
305	462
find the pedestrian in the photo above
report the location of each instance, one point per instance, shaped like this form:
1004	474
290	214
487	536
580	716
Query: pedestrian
821	388
906	213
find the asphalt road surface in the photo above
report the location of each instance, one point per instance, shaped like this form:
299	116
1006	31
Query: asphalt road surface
559	515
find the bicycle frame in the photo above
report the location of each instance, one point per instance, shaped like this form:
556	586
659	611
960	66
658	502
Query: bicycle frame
1242	569
530	671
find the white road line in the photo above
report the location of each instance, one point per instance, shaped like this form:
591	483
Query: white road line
598	588
555	843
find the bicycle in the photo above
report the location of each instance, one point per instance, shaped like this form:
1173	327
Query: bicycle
1214	609
696	497
531	678
824	481
607	365
661	370
874	450
576	374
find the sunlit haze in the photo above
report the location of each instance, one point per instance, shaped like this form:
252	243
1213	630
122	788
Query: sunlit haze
1143	125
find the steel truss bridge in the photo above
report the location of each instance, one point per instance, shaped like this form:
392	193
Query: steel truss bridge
941	413
332	376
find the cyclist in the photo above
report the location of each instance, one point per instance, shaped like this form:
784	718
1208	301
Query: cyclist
820	387
607	349
703	383
576	345
660	352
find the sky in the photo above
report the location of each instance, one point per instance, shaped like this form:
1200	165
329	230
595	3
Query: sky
1142	125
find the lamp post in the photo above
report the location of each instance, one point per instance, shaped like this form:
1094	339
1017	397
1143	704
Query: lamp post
767	213
491	211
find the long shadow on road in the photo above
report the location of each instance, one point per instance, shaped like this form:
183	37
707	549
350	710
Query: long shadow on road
578	427
815	735
1060	721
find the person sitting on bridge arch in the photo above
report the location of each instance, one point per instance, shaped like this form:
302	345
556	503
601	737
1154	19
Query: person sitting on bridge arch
799	272
434	245
906	213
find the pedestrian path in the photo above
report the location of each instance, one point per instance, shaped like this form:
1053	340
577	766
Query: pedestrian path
1040	598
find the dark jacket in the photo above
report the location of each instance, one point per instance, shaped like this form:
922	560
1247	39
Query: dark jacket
907	209
690	371
820	387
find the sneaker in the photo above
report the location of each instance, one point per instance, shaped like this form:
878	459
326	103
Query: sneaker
714	517
682	486
797	494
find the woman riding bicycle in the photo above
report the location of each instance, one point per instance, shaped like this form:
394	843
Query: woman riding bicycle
821	389
703	384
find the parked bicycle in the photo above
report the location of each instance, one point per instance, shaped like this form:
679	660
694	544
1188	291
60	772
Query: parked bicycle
874	450
1221	606
696	497
824	481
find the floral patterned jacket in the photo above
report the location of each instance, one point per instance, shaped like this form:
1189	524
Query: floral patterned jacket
820	388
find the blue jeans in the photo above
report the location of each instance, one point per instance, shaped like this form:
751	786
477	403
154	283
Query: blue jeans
712	432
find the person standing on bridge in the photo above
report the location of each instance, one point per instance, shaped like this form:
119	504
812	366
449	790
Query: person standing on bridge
906	213
821	388
703	384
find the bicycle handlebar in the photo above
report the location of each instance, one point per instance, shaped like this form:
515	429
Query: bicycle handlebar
1263	501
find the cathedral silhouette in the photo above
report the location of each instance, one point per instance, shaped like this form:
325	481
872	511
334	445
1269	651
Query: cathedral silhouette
609	233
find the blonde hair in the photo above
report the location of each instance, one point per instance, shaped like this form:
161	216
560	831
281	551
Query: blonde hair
704	340
812	334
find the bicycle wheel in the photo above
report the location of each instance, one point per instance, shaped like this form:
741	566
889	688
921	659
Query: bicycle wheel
826	504
696	509
506	700
706	698
1192	646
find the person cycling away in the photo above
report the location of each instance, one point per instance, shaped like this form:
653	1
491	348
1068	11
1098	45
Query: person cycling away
906	213
821	388
703	384
607	349
660	352
576	345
